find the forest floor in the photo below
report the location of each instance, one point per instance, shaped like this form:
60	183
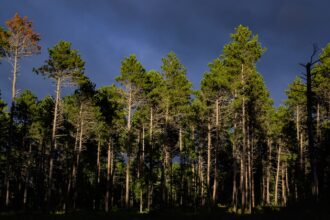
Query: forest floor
316	212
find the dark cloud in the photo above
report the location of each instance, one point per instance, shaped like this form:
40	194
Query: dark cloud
105	31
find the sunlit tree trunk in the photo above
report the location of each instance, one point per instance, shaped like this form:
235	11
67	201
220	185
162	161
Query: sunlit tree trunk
98	174
53	140
243	156
141	169
234	193
283	184
216	148
277	175
150	179
107	194
269	166
209	144
128	163
201	178
13	97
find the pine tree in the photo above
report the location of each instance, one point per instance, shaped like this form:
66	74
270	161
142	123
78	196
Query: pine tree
215	90
131	79
240	57
65	67
175	105
112	124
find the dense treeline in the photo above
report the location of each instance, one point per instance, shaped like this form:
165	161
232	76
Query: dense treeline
150	142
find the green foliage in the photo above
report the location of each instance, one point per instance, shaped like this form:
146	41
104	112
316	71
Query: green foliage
177	93
296	93
131	72
63	63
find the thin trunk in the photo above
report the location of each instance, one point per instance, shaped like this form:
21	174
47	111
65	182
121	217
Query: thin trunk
98	173
107	194
81	133
287	180
299	139
277	175
283	185
150	179
13	97
234	194
98	162
127	184
180	140
241	185
215	183
201	178
73	171
53	140
217	124
318	130
297	123
209	143
243	163
7	182
27	178
269	165
263	185
252	177
302	160
310	131
249	172
181	167
15	70
141	168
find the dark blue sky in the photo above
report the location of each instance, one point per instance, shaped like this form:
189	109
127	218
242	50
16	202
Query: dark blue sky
105	31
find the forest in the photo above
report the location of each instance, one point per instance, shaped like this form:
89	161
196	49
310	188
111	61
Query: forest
149	142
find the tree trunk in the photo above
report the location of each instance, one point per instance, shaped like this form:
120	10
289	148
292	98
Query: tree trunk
249	172
53	140
13	97
287	180
98	172
141	170
318	128
181	167
252	176
234	194
201	178
27	178
310	134
277	175
209	143
243	156
15	70
284	199
73	170
269	165
297	123
127	184
107	194
81	133
150	179
217	124
301	151
241	184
